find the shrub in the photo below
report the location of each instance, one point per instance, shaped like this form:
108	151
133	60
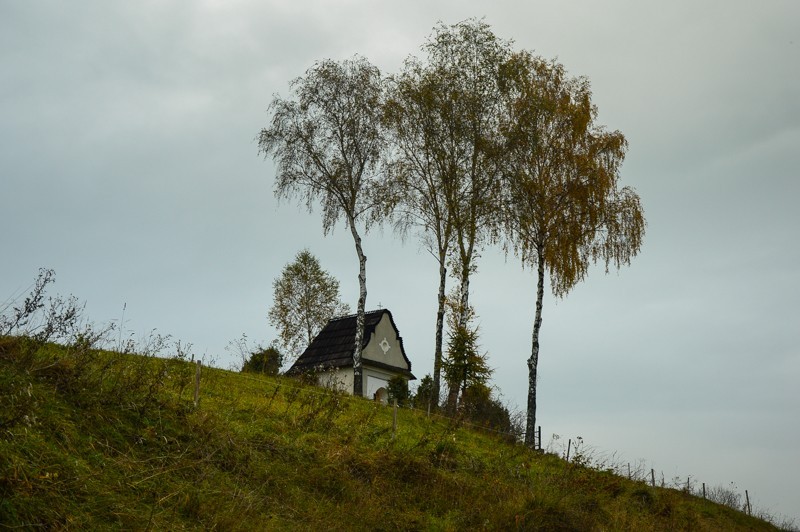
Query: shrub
398	389
480	407
423	395
264	360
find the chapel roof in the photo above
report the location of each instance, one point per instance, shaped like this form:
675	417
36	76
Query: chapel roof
333	346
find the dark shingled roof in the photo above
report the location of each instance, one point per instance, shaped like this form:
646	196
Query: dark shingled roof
333	346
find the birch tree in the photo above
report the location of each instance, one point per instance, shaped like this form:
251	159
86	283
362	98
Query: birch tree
466	59
328	144
443	114
305	298
422	176
565	207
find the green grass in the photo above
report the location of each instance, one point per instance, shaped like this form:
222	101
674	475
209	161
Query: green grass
99	440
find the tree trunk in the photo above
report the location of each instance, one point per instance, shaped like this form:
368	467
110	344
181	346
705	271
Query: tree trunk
309	328
463	319
466	256
358	387
437	354
452	398
533	362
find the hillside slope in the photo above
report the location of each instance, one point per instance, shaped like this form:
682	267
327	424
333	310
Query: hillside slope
98	440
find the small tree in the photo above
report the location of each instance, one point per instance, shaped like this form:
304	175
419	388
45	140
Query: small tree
423	395
397	388
328	143
463	365
305	298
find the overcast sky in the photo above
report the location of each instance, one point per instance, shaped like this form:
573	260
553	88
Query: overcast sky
129	165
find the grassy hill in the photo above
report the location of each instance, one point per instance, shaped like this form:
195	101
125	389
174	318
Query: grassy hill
96	440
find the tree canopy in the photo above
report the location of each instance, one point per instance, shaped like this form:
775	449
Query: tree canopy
305	298
328	141
465	61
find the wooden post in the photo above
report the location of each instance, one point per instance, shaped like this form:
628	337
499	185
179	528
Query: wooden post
653	477
688	487
569	445
540	437
394	419
629	470
704	490
197	385
747	498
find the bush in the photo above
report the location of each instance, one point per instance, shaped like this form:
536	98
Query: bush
264	360
398	389
481	408
424	393
255	358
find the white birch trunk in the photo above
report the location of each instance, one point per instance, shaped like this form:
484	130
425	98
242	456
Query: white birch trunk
463	319
437	355
358	388
533	361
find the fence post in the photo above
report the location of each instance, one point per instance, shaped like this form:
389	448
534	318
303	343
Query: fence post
197	385
569	444
704	490
540	437
394	419
747	498
629	470
653	477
